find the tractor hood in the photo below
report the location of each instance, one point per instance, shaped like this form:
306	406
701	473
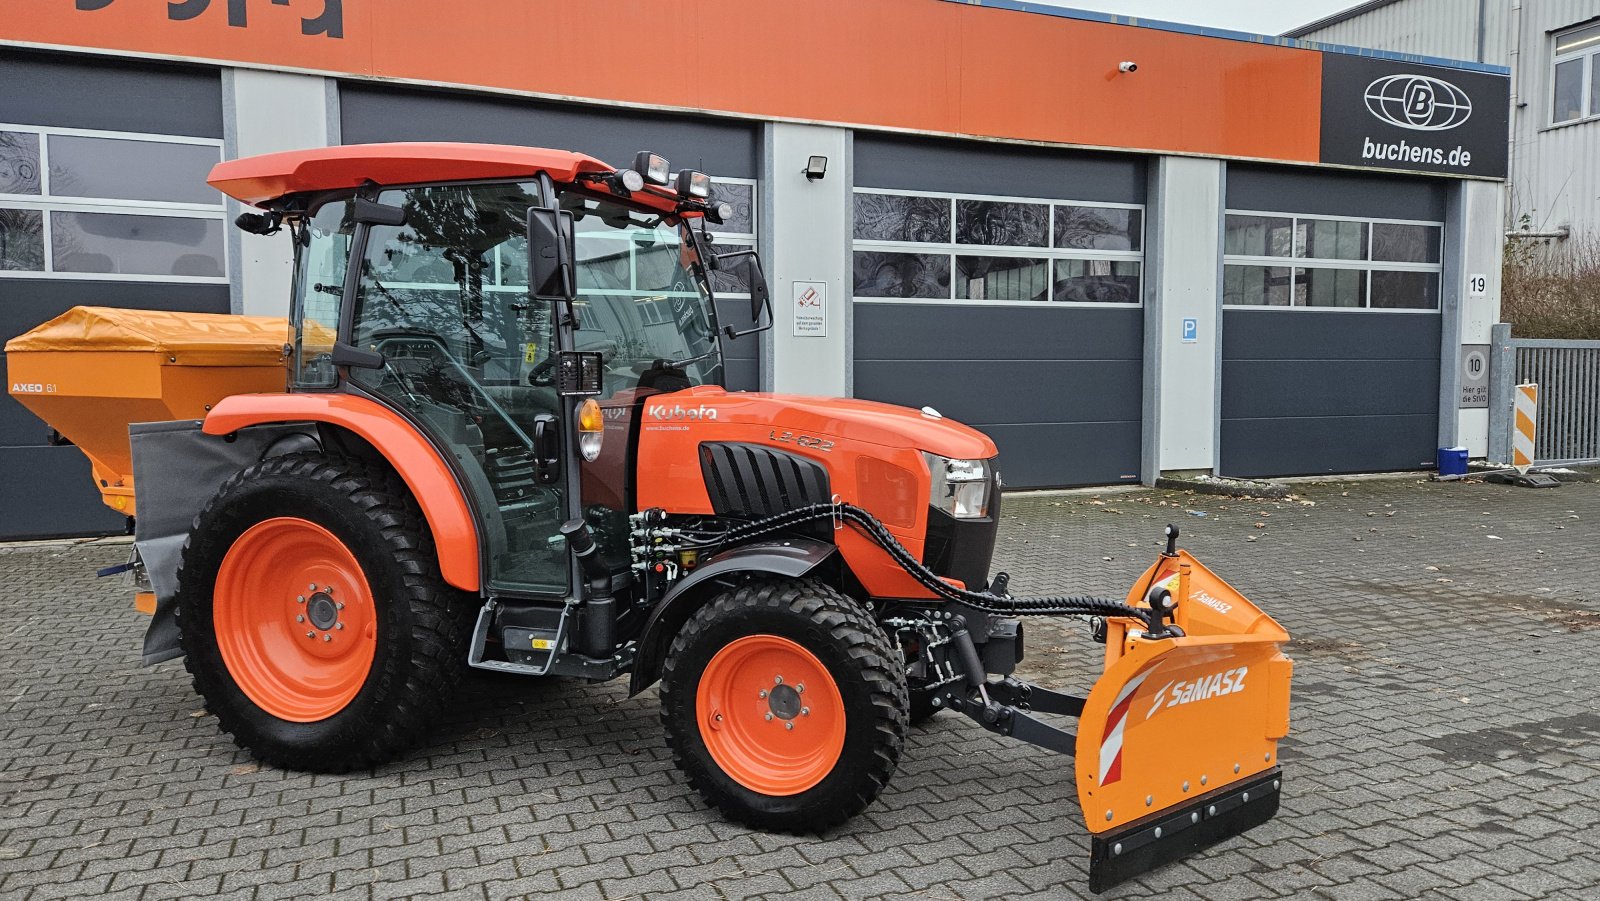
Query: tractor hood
836	418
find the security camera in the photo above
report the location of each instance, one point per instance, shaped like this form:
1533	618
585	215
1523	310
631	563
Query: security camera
1127	66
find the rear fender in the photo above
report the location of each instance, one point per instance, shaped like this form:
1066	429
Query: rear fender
413	456
1172	719
792	558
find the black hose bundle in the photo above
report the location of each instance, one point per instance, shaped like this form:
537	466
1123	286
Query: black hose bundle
875	530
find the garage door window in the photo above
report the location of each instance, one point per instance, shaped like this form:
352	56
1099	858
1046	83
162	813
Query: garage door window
977	249
109	205
1281	260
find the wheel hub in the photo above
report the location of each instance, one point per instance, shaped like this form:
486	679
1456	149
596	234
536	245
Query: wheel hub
784	702
322	611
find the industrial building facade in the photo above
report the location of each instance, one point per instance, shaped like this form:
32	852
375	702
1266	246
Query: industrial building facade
1118	249
1552	48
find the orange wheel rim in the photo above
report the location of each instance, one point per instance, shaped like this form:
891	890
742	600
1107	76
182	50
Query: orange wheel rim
294	619
770	715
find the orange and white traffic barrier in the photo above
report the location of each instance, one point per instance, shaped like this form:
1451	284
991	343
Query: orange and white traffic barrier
1527	419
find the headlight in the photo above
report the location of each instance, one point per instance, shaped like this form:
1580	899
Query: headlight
591	429
959	487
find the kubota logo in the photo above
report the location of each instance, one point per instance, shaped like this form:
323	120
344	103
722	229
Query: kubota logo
1418	102
1180	691
679	411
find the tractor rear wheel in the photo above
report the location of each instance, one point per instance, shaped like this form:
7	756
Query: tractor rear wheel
785	705
314	619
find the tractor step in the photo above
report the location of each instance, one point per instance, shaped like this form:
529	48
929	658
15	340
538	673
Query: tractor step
1143	845
531	648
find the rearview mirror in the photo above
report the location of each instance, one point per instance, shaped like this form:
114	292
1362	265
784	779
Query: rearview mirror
760	296
550	254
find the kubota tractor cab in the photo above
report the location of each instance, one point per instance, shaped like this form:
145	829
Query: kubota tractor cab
497	437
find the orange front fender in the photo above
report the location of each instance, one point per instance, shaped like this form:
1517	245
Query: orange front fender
444	504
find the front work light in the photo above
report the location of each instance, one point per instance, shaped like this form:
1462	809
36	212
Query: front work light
654	168
591	429
631	180
694	184
959	487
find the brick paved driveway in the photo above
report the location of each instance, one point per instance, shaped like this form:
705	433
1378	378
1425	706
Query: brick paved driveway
1446	739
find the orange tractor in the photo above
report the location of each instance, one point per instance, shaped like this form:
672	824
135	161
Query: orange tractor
492	434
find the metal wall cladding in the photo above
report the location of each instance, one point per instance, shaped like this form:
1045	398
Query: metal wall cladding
1306	392
1554	181
113	95
1058	388
722	147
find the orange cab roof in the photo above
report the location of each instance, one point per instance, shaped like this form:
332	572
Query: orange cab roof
258	180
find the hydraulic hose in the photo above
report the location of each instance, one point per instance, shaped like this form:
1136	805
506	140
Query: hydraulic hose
983	601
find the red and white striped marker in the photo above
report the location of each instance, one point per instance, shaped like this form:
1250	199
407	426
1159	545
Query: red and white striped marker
1527	419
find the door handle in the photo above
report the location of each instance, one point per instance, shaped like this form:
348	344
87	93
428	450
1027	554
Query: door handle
546	449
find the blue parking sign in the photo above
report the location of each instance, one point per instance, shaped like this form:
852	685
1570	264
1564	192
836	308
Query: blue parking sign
1191	331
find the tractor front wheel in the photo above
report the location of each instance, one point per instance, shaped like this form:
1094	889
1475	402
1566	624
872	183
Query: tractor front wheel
784	705
313	616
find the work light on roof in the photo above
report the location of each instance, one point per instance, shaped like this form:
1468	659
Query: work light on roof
654	168
631	180
694	184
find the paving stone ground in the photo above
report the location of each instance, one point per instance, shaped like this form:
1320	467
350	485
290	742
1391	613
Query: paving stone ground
1446	739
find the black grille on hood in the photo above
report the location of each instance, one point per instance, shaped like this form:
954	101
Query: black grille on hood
753	481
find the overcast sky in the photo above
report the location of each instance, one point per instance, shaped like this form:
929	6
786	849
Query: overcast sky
1260	16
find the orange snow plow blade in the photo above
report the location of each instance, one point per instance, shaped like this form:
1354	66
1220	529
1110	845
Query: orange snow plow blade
1177	745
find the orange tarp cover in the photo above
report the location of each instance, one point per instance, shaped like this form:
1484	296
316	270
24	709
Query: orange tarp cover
192	339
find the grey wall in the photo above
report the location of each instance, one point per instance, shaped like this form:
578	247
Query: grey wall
1301	189
46	491
1307	392
110	94
719	146
1057	387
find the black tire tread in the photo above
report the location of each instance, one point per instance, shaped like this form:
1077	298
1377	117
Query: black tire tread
436	614
864	642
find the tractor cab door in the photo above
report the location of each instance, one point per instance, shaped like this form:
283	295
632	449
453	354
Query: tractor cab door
443	298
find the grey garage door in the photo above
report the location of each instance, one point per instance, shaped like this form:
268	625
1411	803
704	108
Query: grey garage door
728	151
1003	287
1331	330
128	220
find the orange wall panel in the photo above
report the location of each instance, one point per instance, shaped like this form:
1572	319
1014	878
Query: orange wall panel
923	65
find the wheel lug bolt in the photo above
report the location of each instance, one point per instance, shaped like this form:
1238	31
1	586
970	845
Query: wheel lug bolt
312	587
777	680
769	717
805	711
789	725
763	692
799	686
300	619
311	635
326	637
338	625
339	604
300	600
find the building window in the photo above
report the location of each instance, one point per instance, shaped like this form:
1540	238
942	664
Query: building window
912	245
109	205
1281	260
1575	76
738	233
